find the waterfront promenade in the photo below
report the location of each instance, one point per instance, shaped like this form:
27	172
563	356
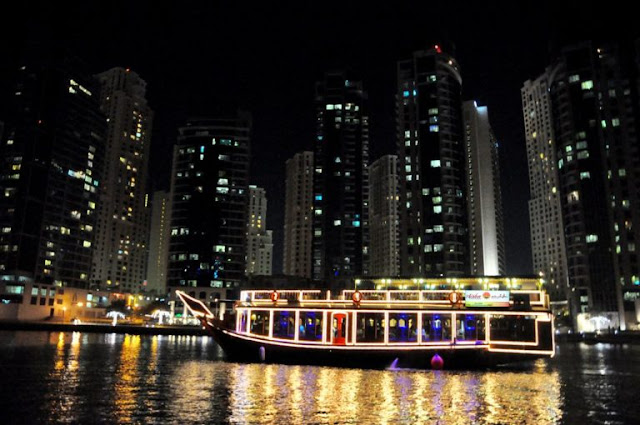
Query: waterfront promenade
133	329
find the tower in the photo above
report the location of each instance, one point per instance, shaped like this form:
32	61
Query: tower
434	234
340	186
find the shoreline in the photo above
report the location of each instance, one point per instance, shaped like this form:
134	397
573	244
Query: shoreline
627	337
102	328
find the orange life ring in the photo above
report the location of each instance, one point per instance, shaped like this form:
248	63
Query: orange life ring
455	297
356	297
275	296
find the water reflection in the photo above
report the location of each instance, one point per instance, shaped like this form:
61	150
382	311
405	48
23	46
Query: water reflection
89	378
329	395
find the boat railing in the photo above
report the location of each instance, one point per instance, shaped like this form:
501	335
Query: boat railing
534	298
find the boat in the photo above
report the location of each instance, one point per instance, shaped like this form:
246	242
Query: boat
447	323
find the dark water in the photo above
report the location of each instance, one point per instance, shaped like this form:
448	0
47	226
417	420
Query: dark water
52	377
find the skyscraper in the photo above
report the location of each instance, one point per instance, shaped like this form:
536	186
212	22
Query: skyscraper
383	216
545	212
259	239
159	242
433	219
340	239
593	91
484	200
51	160
120	256
298	215
209	190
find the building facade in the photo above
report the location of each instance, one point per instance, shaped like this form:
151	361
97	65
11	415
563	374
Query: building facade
433	233
545	210
159	232
594	94
259	239
484	199
121	245
383	216
340	188
209	190
52	154
298	215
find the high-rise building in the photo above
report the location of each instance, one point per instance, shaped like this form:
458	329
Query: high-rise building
209	189
593	91
545	211
383	217
159	242
298	215
120	253
51	160
340	225
433	221
484	199
259	240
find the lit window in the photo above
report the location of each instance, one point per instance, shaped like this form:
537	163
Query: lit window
437	209
587	85
585	175
592	238
434	128
574	78
337	222
615	122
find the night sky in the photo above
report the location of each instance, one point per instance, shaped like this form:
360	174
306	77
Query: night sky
209	58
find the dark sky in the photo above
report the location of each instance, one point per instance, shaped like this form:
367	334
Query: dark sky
211	57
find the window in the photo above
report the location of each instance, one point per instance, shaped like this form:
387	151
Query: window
587	85
259	322
403	327
436	327
370	327
592	238
284	324
310	327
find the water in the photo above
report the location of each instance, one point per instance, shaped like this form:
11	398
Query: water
53	377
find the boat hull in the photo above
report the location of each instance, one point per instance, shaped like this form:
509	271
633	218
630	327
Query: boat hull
242	349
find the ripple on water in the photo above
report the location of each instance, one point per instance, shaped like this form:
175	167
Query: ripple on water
92	378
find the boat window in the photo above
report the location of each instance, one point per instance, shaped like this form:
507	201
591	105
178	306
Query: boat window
436	327
470	327
370	327
260	322
284	324
243	321
513	328
403	327
310	326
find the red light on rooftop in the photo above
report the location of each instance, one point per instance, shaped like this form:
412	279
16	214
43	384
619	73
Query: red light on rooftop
438	49
128	69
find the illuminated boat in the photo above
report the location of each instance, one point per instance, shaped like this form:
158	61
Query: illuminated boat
463	323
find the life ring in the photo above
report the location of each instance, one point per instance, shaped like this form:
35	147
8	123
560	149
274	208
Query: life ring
356	297
455	297
274	296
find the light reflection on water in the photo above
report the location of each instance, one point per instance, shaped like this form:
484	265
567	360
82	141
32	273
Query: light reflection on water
79	378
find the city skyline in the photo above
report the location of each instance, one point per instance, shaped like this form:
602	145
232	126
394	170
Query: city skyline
167	47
